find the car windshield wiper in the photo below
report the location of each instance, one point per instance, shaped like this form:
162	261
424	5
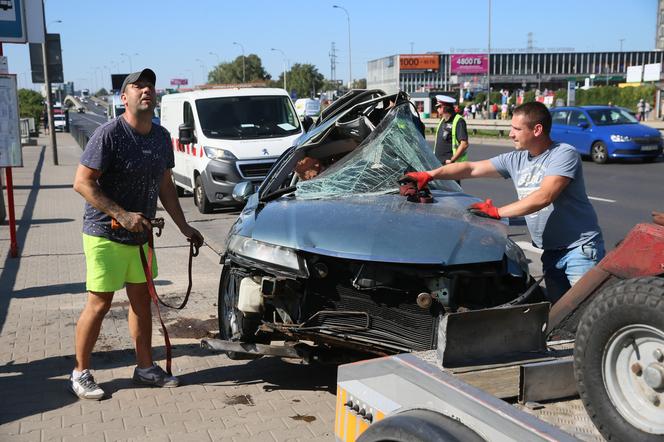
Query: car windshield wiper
277	193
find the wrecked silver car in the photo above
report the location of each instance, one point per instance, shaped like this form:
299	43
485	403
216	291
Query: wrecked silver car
338	258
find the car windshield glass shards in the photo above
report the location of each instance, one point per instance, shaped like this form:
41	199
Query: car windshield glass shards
395	147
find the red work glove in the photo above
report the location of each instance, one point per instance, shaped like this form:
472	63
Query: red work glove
485	209
421	178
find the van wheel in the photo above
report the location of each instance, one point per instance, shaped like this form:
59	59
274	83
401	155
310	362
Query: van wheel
204	205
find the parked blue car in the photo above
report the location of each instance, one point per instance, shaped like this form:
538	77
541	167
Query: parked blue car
605	132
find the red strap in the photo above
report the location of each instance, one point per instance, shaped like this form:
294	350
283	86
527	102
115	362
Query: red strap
147	268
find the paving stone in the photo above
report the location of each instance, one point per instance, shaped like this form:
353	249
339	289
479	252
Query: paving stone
37	329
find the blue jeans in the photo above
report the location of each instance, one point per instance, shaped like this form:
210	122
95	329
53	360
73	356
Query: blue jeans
563	268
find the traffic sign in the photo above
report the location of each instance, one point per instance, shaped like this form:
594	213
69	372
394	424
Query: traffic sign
12	22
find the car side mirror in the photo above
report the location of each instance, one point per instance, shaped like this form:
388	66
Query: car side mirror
186	134
583	125
242	191
307	122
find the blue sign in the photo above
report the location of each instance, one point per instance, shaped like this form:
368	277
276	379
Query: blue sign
12	22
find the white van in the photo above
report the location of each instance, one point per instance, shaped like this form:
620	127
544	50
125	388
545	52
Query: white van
225	136
307	107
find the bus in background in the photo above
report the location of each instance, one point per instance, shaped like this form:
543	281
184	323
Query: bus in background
115	107
85	94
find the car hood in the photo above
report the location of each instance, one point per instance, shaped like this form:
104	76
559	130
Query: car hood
381	228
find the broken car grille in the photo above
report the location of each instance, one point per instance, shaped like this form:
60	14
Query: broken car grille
395	321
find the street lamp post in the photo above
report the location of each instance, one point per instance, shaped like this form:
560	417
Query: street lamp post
284	60
621	43
203	66
243	73
131	69
216	55
47	83
350	63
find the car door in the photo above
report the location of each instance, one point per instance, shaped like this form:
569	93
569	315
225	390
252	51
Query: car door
579	132
559	119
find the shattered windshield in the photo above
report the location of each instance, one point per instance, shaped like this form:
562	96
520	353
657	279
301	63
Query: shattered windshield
395	147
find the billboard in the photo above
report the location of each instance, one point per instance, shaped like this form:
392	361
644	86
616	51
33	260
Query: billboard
54	57
179	82
634	74
469	63
116	81
652	72
419	62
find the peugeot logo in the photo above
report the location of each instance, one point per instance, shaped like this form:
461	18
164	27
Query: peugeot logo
265	152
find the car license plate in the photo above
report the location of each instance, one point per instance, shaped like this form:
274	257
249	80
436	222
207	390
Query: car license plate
649	147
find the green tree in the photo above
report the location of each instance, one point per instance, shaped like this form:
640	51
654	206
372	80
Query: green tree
101	93
231	72
304	79
30	104
360	83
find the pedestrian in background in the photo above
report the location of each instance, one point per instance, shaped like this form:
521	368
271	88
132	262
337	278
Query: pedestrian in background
646	111
494	111
473	110
451	137
641	110
124	168
548	177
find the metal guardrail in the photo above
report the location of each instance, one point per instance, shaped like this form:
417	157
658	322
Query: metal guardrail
503	126
79	134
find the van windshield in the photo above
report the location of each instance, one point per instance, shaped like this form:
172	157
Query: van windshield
247	117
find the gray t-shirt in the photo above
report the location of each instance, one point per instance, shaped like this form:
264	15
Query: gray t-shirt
570	220
132	166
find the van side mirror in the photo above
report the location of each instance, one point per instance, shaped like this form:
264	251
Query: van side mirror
242	191
307	122
186	134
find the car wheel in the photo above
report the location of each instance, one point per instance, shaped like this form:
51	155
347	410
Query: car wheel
598	152
200	199
179	190
233	324
650	159
619	360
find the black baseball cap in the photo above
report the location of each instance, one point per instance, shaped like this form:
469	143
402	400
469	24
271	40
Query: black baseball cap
146	74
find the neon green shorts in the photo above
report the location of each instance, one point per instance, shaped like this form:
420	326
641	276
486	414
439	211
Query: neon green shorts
110	265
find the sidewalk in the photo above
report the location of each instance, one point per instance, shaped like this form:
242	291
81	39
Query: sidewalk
41	295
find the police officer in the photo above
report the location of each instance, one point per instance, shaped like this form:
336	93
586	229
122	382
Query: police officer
451	143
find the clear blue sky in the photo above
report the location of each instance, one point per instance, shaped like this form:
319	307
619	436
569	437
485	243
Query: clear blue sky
170	35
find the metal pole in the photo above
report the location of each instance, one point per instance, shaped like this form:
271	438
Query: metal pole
488	72
350	58
284	61
47	83
243	71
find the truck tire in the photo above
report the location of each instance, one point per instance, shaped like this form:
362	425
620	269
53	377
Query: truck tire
200	199
619	360
233	324
419	426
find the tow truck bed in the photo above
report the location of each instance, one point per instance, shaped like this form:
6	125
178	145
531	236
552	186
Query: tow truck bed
483	398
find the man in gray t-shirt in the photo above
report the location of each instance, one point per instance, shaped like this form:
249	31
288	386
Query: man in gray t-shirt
549	182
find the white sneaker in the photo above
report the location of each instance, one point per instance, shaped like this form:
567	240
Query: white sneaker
85	387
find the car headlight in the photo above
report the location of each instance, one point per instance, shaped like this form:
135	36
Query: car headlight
620	138
266	253
215	153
